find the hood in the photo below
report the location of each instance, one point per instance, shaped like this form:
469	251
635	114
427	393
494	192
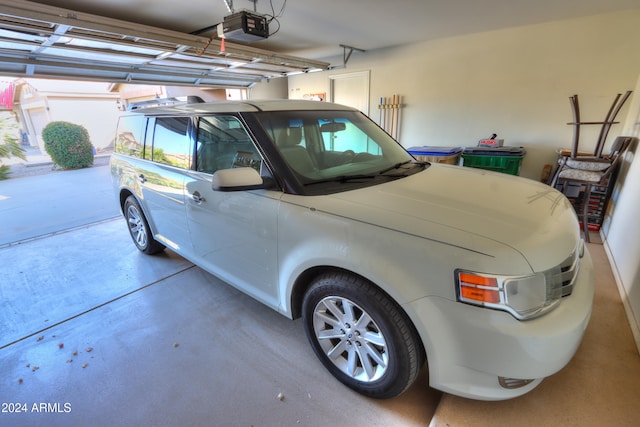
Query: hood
464	206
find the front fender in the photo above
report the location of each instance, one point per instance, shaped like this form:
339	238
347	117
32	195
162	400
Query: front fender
405	266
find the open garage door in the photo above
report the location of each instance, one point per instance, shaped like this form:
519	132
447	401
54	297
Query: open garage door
49	42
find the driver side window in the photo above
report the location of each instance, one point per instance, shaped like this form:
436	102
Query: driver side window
223	143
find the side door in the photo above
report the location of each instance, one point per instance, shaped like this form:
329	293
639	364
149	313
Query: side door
234	234
168	157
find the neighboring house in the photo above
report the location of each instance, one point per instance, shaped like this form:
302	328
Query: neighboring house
130	94
38	102
94	105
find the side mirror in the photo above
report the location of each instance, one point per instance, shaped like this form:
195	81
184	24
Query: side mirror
237	179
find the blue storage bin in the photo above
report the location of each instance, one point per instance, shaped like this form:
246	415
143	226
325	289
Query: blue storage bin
447	155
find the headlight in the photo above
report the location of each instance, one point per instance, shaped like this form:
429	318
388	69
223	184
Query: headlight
525	297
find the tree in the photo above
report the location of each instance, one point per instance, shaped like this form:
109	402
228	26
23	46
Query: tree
9	142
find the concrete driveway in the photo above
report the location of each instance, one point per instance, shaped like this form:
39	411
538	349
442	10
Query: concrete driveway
33	206
94	332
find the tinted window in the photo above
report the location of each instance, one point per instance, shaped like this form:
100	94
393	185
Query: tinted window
130	135
223	143
171	142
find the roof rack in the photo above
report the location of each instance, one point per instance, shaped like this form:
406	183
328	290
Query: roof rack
159	102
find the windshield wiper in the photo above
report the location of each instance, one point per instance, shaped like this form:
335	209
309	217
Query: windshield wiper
343	178
399	165
383	172
396	166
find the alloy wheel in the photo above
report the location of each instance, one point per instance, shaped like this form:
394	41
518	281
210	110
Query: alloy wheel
350	339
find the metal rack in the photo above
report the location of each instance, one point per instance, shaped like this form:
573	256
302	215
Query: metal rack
591	176
606	124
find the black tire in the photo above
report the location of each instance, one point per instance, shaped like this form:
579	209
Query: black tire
139	228
381	338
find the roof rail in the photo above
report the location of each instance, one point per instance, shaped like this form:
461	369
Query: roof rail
159	102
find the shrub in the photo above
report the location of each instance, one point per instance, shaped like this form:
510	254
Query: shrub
68	145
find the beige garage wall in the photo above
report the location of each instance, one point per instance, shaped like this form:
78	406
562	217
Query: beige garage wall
270	89
621	227
514	82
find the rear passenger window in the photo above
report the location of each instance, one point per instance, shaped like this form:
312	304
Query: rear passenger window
223	143
130	135
171	142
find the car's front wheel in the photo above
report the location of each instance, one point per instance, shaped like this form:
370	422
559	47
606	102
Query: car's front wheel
361	336
139	228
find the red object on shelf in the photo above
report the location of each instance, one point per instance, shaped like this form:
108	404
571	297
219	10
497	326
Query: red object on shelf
592	227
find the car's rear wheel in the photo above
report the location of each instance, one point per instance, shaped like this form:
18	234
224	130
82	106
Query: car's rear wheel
139	228
361	336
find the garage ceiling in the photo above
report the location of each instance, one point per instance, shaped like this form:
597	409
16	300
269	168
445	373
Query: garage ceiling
154	41
43	41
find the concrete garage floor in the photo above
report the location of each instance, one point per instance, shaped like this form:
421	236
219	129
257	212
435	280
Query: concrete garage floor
126	339
95	332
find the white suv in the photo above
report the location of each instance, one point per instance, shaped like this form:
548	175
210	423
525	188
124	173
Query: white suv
315	211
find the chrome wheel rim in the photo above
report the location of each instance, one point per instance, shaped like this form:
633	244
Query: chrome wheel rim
350	339
136	226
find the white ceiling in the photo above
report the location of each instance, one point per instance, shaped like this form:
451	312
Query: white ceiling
316	28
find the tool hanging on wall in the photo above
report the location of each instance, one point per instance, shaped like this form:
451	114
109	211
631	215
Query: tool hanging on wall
390	115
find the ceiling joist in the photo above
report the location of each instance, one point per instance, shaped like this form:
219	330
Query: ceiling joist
43	41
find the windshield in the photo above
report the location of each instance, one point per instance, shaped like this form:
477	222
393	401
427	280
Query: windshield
329	147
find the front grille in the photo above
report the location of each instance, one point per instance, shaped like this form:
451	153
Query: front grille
560	279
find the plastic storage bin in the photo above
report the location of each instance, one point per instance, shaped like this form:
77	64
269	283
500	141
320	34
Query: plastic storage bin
499	159
447	155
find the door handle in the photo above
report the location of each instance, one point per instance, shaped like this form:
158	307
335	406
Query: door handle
197	197
142	178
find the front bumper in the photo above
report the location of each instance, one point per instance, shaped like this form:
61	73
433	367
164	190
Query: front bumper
469	348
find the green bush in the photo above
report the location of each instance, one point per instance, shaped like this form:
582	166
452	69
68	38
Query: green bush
68	145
